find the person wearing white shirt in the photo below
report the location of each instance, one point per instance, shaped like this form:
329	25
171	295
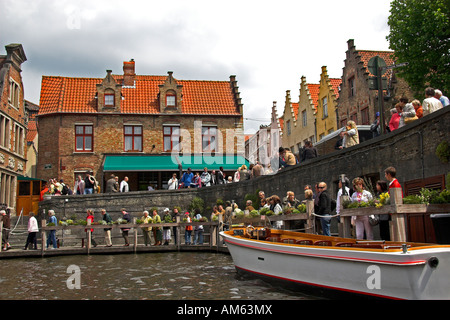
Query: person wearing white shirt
173	182
339	194
430	104
33	229
124	185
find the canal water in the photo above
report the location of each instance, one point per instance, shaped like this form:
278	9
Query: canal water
153	276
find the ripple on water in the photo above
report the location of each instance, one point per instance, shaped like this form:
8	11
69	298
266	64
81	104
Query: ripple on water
170	276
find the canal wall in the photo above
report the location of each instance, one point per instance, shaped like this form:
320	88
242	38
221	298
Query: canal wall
411	150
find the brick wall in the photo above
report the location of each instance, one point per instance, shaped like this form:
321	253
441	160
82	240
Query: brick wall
57	158
410	149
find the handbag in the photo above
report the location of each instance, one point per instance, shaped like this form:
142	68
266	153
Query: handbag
410	119
373	220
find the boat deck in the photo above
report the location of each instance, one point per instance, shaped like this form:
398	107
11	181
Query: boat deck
285	237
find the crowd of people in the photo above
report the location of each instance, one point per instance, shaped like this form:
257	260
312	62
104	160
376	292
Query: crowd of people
324	206
406	111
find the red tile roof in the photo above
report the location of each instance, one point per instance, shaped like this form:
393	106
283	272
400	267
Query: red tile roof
314	92
336	83
295	108
31	131
77	95
387	56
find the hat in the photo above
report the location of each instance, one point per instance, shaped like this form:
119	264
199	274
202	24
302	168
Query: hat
166	210
187	212
377	114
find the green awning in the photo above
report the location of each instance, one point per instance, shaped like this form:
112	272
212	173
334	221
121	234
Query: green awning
171	163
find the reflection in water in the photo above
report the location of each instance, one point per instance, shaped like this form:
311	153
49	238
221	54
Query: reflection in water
162	276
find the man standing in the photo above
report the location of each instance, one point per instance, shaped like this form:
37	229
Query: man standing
107	218
110	184
127	218
205	178
52	234
324	208
89	183
187	178
124	185
6	228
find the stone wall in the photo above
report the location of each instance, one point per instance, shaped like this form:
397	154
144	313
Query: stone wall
410	149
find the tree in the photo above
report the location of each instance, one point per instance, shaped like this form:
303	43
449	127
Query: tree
420	35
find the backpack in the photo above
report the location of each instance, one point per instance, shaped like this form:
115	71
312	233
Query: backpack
65	190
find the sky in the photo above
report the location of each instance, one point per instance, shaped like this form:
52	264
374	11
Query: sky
268	45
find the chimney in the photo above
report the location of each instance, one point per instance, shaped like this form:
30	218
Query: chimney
128	73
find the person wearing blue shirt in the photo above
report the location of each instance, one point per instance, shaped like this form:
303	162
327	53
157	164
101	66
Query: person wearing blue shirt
187	178
52	234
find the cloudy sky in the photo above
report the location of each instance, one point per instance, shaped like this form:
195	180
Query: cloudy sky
268	45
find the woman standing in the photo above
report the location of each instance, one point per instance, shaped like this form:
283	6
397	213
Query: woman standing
275	206
351	136
157	233
33	229
90	218
362	222
188	230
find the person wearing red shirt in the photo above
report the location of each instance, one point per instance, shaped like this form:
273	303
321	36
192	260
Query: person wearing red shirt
390	174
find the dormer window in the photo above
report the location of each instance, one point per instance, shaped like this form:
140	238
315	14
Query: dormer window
109	100
171	99
170	95
109	94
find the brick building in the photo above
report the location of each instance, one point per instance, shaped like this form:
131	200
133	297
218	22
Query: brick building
12	123
356	101
143	127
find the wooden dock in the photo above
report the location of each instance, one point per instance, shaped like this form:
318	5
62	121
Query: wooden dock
84	245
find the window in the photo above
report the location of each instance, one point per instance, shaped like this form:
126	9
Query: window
304	118
133	138
209	135
5	132
170	100
171	138
288	127
351	85
365	116
109	100
14	94
325	107
19	140
83	138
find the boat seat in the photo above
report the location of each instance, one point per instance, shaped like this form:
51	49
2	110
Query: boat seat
323	243
368	245
304	242
344	244
288	240
273	239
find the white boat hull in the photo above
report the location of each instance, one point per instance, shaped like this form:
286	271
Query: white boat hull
393	275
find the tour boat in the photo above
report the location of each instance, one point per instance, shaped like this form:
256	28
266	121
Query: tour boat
374	269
